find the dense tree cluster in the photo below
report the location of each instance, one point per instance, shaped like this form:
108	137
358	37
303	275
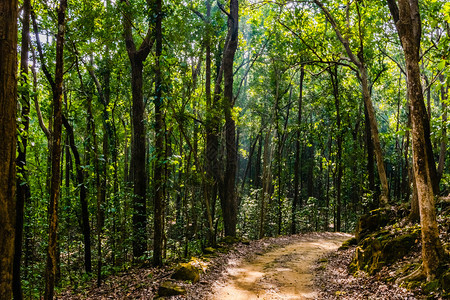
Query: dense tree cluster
147	130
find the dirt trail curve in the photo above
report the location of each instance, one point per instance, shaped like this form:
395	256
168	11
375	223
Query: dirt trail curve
283	273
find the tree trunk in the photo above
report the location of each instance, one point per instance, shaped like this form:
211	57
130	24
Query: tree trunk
138	142
51	266
8	106
364	79
266	181
444	138
338	182
22	188
211	150
85	228
138	150
370	155
407	20
384	197
297	199
159	144
228	199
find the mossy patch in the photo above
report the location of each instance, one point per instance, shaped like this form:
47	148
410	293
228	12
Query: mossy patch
382	248
348	243
430	286
373	221
445	281
186	272
231	240
170	288
209	250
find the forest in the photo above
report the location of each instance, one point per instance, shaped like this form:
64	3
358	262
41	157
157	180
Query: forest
137	134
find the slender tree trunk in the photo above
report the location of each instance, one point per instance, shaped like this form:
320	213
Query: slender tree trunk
51	266
159	143
138	142
444	138
327	193
22	188
297	199
370	155
338	182
85	227
281	143
257	174
364	79
266	181
384	198
228	200
211	151
8	107
407	20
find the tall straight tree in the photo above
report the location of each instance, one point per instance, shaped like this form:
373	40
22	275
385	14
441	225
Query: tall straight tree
52	260
406	15
359	61
8	97
211	132
159	143
297	201
23	189
137	56
228	194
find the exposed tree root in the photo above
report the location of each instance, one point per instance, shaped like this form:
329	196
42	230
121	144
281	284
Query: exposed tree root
418	274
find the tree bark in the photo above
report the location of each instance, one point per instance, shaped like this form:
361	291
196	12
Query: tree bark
444	138
228	199
51	266
211	129
159	143
407	21
138	142
338	181
266	181
85	227
297	201
8	107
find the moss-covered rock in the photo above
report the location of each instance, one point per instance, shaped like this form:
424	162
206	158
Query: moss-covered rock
350	242
231	240
445	281
209	250
382	248
373	221
430	286
245	241
170	288
186	272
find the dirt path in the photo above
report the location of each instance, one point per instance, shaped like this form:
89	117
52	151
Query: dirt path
283	273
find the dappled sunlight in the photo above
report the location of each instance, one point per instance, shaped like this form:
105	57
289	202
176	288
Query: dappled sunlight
283	273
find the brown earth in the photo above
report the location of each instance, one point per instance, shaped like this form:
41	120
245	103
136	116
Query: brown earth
282	273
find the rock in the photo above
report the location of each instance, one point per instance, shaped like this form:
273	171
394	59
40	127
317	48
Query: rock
382	248
209	250
230	240
373	221
186	272
430	286
170	288
445	281
350	242
245	241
